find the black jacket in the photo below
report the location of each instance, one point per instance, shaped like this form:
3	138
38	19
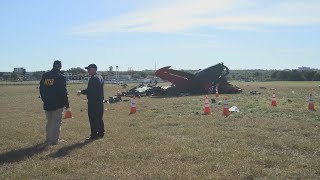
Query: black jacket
53	90
94	90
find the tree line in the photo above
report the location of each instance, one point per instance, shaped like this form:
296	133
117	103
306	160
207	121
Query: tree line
77	74
234	75
273	75
295	75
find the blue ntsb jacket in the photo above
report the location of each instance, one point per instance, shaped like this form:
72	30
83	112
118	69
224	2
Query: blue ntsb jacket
53	90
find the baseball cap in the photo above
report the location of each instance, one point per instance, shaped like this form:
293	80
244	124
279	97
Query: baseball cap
57	63
91	66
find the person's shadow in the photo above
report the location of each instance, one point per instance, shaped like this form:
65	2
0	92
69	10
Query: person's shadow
21	154
67	149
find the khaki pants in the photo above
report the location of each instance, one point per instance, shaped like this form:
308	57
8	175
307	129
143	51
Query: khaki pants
53	125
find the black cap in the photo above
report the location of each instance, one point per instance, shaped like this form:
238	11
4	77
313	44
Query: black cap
57	63
91	66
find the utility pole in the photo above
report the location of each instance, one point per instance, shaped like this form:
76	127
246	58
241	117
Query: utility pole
117	73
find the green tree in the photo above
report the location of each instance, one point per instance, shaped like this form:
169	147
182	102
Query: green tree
284	75
14	76
274	75
6	76
38	74
257	76
316	77
108	74
309	75
77	71
143	74
296	76
136	75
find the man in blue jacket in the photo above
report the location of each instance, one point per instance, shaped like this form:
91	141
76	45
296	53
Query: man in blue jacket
54	95
95	96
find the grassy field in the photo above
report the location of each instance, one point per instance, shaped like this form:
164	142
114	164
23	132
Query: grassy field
168	138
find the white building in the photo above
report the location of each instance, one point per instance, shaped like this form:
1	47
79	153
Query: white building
304	68
67	75
19	70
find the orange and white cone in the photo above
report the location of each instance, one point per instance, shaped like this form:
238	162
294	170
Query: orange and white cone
217	92
133	105
274	101
225	110
311	103
207	109
67	114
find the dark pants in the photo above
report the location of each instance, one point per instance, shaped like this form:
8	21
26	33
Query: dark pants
95	113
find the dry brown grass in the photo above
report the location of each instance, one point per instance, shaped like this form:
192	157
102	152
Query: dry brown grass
168	138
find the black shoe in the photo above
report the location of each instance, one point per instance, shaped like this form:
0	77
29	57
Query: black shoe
100	135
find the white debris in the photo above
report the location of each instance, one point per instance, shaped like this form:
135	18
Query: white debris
234	109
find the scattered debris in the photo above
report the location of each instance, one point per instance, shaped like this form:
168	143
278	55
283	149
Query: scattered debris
185	84
201	82
234	109
213	100
143	90
254	92
124	85
114	99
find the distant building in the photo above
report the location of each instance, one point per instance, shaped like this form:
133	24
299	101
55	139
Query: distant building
67	75
29	76
304	68
6	74
125	77
85	79
20	71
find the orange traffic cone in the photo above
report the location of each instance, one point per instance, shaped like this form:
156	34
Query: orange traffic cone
225	110
67	114
133	108
273	102
217	92
311	103
207	109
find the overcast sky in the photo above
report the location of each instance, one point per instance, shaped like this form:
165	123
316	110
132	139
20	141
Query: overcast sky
149	34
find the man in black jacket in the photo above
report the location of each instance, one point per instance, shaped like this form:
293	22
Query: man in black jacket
54	95
95	96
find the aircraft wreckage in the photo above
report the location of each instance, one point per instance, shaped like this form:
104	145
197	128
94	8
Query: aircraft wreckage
184	83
